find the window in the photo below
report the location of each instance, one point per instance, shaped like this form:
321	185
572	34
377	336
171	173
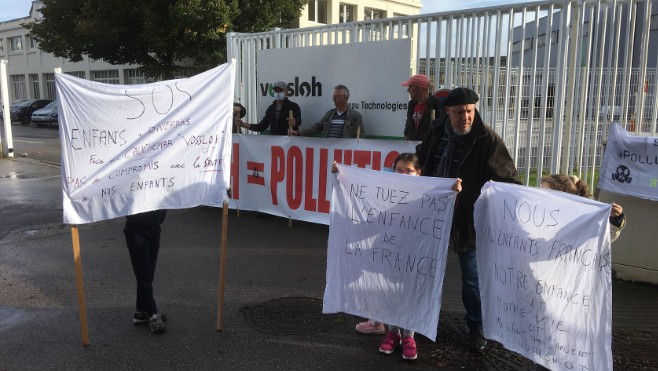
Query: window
554	36
654	22
51	91
32	42
79	74
136	76
371	13
18	83
107	77
317	11
516	47
16	43
34	82
527	44
541	40
347	12
2	47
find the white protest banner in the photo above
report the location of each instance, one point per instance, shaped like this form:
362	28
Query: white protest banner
630	165
388	242
372	71
128	149
543	261
287	176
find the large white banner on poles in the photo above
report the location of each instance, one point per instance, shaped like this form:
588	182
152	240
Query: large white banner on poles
287	176
128	149
630	165
388	242
544	266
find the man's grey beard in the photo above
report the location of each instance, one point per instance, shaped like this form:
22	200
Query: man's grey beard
459	132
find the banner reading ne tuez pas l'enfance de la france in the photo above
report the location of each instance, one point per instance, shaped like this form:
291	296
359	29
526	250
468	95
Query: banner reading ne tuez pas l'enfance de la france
543	260
388	243
128	149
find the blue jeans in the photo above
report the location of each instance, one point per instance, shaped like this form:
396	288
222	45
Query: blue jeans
470	289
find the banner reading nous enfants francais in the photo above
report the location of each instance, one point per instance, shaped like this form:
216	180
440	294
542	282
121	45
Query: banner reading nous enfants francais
128	149
388	242
630	165
544	269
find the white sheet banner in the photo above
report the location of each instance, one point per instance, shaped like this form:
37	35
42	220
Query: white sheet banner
630	165
544	267
287	176
388	242
128	149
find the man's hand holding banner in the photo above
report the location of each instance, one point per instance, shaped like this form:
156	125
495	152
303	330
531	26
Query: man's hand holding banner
544	268
388	242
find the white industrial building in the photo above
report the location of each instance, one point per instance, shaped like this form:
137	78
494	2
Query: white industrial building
30	70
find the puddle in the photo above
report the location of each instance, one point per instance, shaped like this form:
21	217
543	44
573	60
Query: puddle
15	175
32	232
10	317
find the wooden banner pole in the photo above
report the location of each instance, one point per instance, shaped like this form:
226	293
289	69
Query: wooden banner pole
75	236
222	266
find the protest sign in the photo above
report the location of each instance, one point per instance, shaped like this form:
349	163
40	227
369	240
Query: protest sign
630	165
388	242
128	149
544	269
287	176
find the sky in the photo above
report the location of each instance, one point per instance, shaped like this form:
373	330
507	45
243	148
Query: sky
12	9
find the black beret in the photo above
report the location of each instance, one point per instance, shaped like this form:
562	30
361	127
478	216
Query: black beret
459	96
243	111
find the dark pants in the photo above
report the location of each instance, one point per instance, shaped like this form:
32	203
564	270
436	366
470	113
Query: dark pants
471	289
142	233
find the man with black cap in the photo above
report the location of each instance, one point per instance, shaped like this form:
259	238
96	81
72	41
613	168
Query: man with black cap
460	145
277	116
421	106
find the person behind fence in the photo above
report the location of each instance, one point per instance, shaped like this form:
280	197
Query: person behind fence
572	184
142	232
422	105
460	145
340	122
407	164
239	112
277	116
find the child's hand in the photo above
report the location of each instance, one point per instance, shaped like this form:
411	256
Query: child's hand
457	187
616	210
334	168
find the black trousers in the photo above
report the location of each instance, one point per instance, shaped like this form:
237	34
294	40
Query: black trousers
142	232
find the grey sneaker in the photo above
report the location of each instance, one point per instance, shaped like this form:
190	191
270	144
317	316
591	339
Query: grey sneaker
156	324
140	317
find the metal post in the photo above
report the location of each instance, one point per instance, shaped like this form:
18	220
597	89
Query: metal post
4	84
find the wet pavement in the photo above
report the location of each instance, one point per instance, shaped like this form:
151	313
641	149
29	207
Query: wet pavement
275	278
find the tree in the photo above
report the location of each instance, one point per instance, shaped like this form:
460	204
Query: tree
162	36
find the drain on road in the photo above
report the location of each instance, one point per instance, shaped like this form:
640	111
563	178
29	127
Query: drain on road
291	315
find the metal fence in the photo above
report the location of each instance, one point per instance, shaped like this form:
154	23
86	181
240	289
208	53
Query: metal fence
551	98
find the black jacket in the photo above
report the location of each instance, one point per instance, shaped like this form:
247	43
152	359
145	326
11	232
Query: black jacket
486	159
410	131
280	126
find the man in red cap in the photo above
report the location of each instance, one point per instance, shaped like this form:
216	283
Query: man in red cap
460	145
421	106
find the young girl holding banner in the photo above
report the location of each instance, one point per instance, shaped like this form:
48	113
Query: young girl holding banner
408	164
573	185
